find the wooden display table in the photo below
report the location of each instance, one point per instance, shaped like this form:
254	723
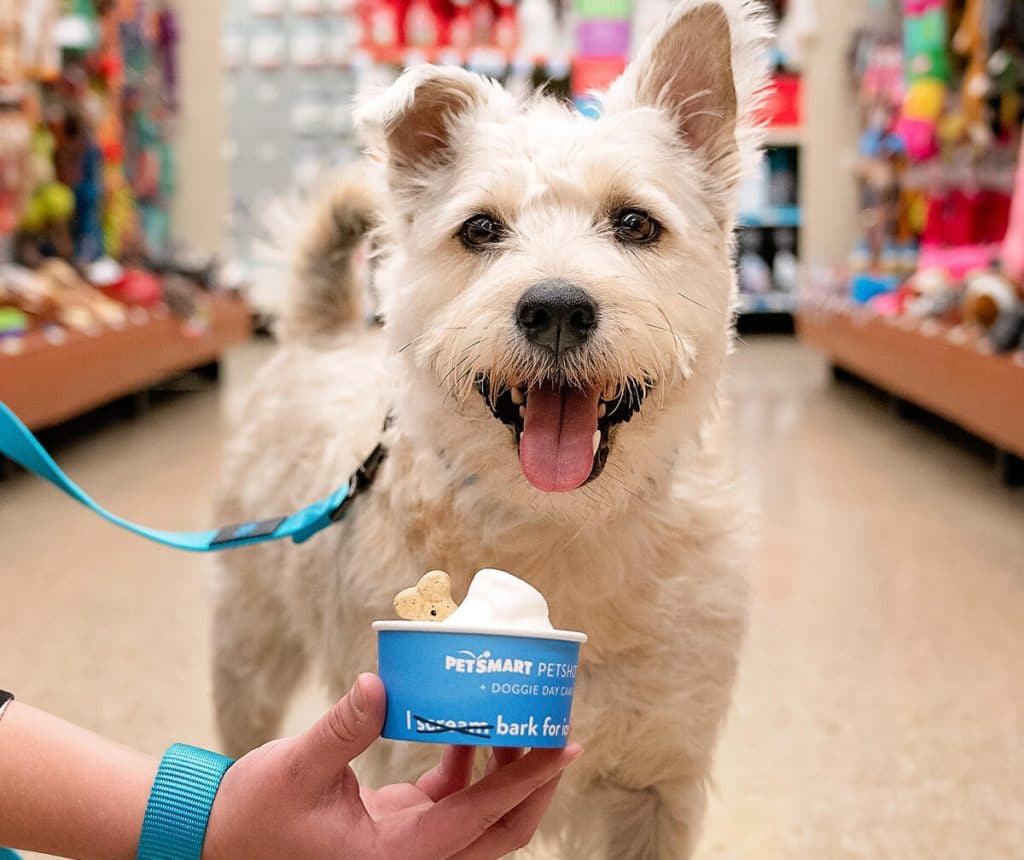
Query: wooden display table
943	369
51	381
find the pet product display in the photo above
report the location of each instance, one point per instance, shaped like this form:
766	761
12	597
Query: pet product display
491	672
88	265
930	307
602	32
938	156
928	73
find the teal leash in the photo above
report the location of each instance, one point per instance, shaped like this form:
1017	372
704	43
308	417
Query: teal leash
18	444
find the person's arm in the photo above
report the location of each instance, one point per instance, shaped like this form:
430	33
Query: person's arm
68	792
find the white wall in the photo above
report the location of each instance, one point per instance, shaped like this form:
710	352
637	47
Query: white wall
831	131
201	200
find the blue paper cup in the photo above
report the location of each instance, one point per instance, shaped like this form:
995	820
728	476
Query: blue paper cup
469	687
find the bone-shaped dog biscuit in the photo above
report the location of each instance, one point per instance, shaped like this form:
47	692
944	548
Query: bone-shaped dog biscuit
429	600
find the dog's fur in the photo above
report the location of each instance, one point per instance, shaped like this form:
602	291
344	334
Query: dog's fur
648	558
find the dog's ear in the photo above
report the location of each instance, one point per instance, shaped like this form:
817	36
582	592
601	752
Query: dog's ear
415	123
707	66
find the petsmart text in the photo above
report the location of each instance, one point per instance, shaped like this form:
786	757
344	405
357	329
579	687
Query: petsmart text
466	662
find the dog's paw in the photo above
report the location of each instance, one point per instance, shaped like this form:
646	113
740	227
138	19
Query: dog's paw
429	600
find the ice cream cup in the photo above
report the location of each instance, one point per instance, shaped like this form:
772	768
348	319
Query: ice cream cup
477	686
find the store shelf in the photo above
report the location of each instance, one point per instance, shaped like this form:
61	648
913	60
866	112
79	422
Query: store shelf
75	32
941	368
772	216
476	58
53	379
780	136
775	302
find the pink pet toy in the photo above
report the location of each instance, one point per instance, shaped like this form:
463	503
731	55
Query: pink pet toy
1013	244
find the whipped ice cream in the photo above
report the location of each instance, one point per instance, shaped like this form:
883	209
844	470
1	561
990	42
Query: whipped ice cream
497	599
496	603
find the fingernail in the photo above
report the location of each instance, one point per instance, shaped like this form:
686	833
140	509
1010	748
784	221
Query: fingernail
358	696
573	752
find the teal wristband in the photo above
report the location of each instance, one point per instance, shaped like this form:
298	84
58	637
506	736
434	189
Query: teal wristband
180	801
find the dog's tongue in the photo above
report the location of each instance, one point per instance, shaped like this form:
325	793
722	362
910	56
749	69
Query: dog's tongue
556	450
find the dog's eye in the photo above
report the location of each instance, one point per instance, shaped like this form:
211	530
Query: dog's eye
481	230
635	227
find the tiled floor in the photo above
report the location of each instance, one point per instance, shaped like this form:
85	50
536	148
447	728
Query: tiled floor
880	712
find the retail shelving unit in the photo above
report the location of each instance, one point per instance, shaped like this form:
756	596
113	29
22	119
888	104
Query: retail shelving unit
52	379
944	369
948	370
770	225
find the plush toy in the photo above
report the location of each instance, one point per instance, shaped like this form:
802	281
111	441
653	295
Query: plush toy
55	293
182	296
987	297
930	293
970	41
137	287
80	165
1008	332
1013	244
23	289
889	303
12	69
878	204
80	305
951	218
152	179
13	322
120	221
104	273
168	34
1005	26
927	74
15	162
40	51
46	222
1005	72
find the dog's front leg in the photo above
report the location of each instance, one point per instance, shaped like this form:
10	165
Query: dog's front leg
659	823
612	821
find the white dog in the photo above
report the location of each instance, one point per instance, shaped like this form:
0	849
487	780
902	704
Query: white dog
558	298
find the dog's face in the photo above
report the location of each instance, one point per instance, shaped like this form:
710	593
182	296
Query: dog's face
560	287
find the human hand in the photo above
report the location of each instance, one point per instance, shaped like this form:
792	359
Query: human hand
299	797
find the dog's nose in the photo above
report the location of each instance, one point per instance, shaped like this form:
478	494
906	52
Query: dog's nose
556	315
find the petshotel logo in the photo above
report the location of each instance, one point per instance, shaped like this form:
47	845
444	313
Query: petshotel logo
484	664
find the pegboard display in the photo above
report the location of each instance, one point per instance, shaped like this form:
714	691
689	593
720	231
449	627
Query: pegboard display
289	86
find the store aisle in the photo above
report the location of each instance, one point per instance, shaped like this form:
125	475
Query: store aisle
878	713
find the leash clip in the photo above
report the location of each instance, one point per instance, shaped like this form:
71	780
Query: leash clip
360	481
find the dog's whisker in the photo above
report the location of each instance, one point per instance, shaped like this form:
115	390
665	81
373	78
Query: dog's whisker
456	368
416	340
573	539
681	294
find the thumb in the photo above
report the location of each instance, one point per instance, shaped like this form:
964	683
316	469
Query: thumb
347	729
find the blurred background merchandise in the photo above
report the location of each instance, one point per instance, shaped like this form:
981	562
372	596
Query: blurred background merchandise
154	152
145	177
